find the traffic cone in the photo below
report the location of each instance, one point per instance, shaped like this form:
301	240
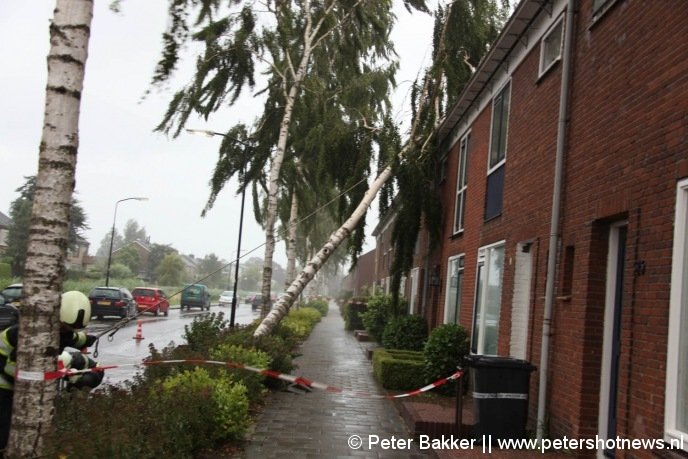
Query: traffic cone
139	331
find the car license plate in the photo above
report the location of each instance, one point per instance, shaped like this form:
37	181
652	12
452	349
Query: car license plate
104	303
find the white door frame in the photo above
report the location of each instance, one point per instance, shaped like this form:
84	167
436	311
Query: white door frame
608	330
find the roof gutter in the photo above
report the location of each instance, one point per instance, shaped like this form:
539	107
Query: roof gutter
556	213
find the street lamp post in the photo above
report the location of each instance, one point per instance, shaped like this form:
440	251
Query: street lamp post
205	133
112	236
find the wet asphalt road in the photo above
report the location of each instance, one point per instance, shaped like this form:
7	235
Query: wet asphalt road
123	349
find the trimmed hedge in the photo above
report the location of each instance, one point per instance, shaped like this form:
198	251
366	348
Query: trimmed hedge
398	369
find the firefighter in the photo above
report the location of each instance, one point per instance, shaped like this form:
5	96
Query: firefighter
75	313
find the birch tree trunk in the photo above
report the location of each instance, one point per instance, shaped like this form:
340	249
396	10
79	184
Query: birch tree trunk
285	302
291	241
276	166
49	230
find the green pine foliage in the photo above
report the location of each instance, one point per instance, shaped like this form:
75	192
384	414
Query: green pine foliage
20	213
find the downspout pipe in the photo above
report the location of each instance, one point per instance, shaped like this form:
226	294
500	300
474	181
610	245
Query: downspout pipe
556	212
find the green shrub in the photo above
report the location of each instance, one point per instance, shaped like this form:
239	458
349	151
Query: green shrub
276	346
307	314
447	347
5	270
398	370
120	271
321	305
405	332
228	411
377	315
205	330
247	356
299	323
141	422
352	314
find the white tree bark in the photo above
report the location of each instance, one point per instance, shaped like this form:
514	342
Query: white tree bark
291	241
285	302
49	230
276	167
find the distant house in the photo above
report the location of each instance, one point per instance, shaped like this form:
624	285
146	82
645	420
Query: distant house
361	280
78	258
5	223
143	249
190	264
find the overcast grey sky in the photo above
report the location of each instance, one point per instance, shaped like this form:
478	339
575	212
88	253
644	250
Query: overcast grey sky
119	155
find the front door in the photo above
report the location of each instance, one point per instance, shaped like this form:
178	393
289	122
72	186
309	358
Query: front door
609	382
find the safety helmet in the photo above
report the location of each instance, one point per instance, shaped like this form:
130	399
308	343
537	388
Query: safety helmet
75	309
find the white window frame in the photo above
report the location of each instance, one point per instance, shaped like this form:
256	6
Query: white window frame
413	293
447	298
545	66
496	166
484	255
677	314
461	183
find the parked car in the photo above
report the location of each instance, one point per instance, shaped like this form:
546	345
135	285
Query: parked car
248	299
112	301
151	299
9	315
257	301
226	298
12	294
195	295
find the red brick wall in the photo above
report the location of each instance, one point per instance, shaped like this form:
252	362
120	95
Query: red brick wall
628	139
627	146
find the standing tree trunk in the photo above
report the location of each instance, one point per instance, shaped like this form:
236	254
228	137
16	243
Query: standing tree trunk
48	234
276	166
291	240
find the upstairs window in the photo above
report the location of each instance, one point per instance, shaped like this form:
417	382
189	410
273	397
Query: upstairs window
461	185
550	46
495	169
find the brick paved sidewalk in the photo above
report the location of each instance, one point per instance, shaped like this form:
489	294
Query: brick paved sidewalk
319	424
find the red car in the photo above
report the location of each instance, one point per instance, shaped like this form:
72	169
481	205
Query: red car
151	299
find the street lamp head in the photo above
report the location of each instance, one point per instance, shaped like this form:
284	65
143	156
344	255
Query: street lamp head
203	132
134	198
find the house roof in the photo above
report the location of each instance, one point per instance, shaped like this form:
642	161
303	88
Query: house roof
189	261
5	221
137	242
513	33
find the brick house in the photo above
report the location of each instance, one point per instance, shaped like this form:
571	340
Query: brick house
361	280
612	304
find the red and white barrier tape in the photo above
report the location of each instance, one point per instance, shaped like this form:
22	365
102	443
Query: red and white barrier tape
62	372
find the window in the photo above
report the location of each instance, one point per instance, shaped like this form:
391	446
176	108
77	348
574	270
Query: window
461	185
442	174
452	303
550	46
488	300
599	7
676	400
413	294
495	169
